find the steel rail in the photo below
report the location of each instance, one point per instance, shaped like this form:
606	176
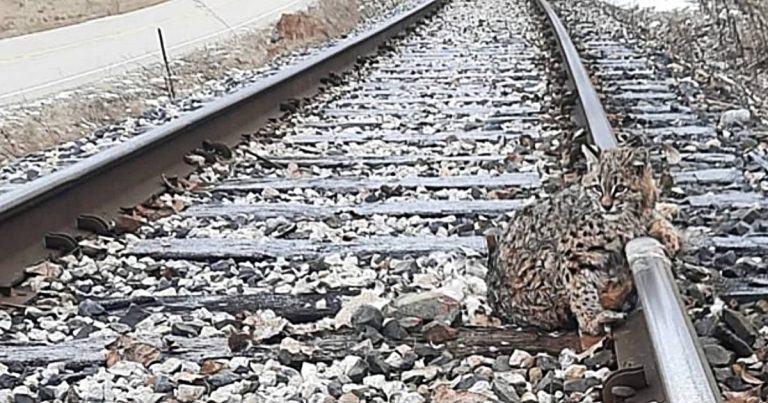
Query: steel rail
126	174
678	371
687	376
596	121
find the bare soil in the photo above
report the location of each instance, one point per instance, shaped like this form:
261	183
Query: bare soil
19	17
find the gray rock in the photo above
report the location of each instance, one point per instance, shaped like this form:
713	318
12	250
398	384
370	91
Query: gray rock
23	398
505	393
367	315
420	375
501	363
741	228
736	384
732	342
751	216
46	393
163	384
90	308
579	385
377	364
426	351
268	378
185	330
717	355
466	382
550	383
705	327
223	378
355	368
600	359
547	363
371	334
506	385
721	374
520	358
134	315
740	325
393	330
428	306
409	360
335	388
222	265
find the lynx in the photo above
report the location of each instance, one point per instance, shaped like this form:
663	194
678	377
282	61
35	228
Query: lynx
563	258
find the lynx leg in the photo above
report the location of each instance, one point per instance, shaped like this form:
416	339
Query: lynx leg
585	304
665	232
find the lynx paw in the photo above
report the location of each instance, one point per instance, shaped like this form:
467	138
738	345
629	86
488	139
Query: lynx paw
667	235
595	326
610	317
667	210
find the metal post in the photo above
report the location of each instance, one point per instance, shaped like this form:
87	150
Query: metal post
167	66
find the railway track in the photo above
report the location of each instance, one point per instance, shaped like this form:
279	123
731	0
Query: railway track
245	279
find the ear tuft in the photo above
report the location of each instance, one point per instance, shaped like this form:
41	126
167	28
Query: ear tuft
592	159
641	157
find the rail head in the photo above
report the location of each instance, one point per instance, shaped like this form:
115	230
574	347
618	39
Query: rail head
683	367
596	120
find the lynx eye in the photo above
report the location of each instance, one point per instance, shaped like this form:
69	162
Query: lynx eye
618	189
597	188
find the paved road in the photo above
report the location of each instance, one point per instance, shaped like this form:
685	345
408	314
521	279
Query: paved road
49	61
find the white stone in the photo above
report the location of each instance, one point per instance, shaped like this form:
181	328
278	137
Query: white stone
375	381
394	360
528	397
169	366
127	369
61	390
512	378
518	358
735	116
189	393
411	397
544	397
575	371
56	337
428	373
268	378
238	362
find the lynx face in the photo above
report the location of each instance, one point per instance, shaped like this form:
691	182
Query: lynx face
620	179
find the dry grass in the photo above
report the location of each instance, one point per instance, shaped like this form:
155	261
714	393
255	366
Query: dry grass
19	17
33	128
723	46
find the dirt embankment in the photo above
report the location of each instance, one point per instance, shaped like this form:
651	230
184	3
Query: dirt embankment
19	17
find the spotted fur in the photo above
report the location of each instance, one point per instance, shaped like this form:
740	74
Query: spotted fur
561	261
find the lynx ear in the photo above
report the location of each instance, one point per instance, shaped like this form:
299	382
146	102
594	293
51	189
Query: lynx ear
641	156
640	161
592	160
